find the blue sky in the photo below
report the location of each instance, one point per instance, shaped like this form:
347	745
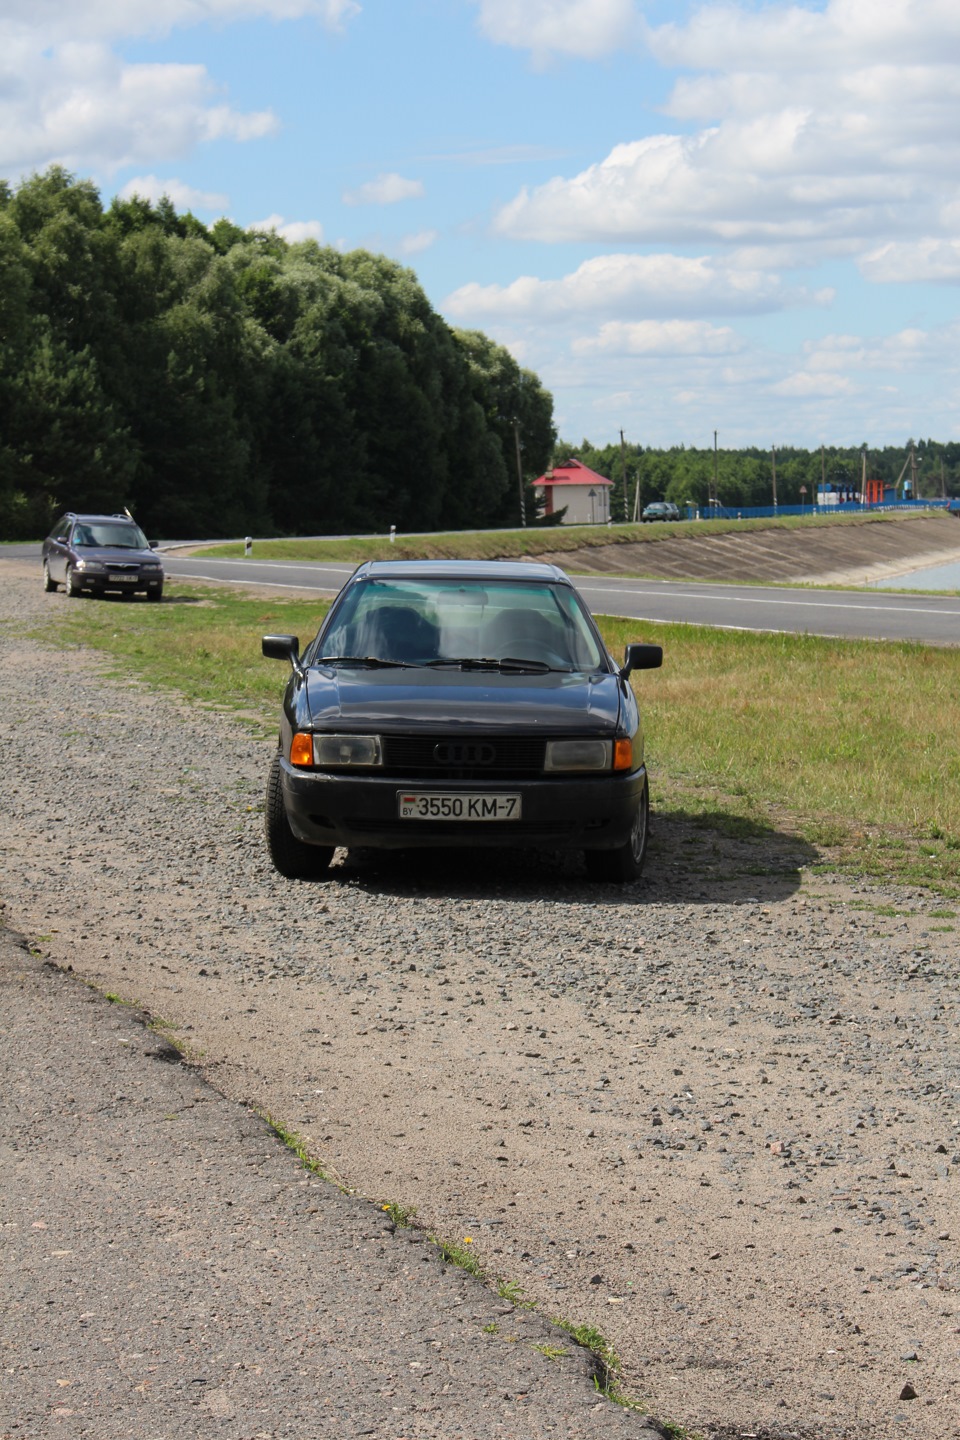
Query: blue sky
740	217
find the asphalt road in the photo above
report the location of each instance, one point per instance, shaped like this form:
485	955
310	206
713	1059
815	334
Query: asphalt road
843	614
849	615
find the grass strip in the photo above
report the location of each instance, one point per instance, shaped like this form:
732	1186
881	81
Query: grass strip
851	745
526	543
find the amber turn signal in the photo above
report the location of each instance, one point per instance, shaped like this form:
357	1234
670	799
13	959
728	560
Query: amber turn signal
301	749
623	754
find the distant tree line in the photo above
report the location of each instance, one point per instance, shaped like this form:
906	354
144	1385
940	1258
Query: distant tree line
221	382
747	477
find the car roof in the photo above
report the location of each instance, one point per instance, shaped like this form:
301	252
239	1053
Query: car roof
482	570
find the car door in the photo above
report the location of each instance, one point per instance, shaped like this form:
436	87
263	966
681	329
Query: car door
57	552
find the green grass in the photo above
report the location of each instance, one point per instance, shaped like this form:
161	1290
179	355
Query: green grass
512	544
852	746
204	645
294	1143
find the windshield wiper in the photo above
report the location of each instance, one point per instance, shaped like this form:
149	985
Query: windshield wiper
373	661
508	664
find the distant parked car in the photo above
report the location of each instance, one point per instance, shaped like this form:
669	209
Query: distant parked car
100	553
458	703
660	510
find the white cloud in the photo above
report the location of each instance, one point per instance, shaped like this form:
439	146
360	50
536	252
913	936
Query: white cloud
637	285
838	365
735	37
416	244
184	197
84	108
51	22
913	260
67	97
807	384
658	338
384	190
292	230
827	129
583	28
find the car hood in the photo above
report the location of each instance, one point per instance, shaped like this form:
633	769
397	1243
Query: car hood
429	700
115	554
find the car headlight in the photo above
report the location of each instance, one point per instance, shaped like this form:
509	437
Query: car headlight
335	752
578	755
91	567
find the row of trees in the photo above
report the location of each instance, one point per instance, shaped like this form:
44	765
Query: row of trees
751	477
219	382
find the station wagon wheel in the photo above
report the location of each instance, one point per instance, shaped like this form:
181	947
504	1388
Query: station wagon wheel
626	862
291	857
48	582
70	584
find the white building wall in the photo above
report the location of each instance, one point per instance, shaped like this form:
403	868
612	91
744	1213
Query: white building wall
581	509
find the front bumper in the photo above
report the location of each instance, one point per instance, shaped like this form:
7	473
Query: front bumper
102	584
562	813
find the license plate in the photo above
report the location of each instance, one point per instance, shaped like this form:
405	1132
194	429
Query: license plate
436	805
122	579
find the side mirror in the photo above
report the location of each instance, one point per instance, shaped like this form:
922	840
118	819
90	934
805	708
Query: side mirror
283	647
641	657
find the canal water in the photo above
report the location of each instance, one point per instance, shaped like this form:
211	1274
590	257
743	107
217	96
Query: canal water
931	577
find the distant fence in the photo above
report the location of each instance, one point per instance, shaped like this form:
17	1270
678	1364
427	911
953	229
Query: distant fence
762	512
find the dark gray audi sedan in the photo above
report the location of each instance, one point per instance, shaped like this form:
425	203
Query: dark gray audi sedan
465	703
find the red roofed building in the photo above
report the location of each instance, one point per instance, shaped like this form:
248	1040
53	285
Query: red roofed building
585	494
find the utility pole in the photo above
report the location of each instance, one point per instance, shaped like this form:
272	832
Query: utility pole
773	462
716	497
523	504
623	467
823	472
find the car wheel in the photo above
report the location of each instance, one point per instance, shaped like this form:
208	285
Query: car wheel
71	584
48	582
626	862
290	856
155	594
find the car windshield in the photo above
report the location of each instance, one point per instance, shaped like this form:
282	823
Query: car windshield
461	622
119	535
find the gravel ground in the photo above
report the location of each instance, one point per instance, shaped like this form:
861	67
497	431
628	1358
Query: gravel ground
712	1114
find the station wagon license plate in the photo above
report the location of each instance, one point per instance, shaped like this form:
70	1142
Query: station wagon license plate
439	805
122	579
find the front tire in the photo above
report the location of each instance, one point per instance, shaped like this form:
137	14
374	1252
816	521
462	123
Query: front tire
155	595
616	867
48	582
70	584
290	856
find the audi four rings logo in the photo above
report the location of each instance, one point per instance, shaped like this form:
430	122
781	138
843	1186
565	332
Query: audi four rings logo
449	754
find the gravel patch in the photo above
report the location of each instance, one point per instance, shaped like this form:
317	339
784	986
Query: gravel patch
713	1114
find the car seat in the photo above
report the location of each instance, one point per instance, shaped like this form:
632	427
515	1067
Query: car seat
398	632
